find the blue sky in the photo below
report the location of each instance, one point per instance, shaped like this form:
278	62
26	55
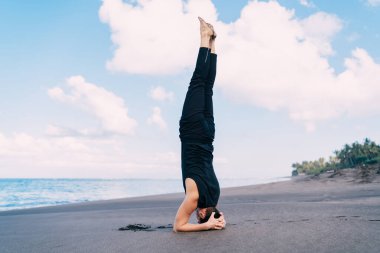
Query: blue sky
55	134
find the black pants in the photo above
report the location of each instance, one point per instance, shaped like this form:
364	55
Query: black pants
197	120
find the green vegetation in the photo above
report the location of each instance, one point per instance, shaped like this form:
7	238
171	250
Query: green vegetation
350	156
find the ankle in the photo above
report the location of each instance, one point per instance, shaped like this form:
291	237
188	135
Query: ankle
205	44
212	45
205	41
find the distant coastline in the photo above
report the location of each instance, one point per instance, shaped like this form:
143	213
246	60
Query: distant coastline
363	158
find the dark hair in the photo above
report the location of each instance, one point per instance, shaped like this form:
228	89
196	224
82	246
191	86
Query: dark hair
209	211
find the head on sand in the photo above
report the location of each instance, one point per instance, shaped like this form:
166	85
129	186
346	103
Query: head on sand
203	214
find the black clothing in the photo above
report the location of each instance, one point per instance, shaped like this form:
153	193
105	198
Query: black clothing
197	130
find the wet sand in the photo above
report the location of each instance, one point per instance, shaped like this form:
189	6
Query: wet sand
301	215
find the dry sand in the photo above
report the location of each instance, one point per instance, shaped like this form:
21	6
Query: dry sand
301	215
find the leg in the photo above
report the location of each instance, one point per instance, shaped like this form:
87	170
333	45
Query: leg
194	101
209	112
193	125
194	104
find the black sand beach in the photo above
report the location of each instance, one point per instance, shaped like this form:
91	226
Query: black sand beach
301	215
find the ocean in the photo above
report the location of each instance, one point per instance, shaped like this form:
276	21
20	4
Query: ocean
18	193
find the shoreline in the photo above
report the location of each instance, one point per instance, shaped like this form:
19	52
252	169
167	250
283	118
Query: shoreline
298	215
259	181
300	181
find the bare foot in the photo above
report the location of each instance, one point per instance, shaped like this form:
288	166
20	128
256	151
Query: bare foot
213	36
205	29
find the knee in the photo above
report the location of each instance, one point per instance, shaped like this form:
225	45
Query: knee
197	77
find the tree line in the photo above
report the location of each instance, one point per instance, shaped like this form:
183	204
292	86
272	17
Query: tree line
350	156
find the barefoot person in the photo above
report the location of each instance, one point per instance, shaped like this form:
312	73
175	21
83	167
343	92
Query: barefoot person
197	130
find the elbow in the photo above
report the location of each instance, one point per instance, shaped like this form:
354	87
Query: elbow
176	228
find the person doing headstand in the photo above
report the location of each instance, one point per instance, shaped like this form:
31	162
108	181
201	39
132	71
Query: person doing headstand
197	131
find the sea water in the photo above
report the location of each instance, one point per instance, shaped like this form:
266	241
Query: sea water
18	193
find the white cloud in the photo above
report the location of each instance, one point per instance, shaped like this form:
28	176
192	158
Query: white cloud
267	57
24	155
166	32
319	29
54	130
108	108
160	94
307	3
373	2
156	118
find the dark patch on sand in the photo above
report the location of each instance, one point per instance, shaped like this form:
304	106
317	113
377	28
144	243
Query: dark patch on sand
373	220
143	227
298	220
136	227
167	226
340	216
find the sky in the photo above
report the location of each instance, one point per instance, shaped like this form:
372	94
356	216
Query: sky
94	89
